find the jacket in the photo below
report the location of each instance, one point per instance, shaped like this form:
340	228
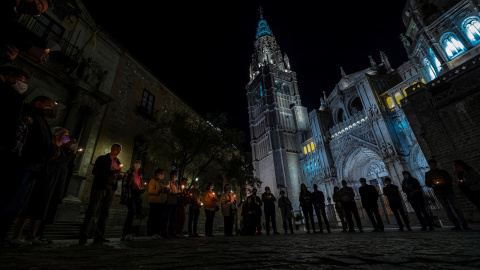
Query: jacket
174	193
210	200
253	208
285	206
127	183
268	200
305	200
228	204
412	188
259	203
471	180
102	171
157	191
369	196
393	193
318	198
440	181
346	194
195	199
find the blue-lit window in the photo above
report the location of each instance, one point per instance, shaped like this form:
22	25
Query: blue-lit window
430	69
453	47
286	89
438	65
260	89
277	87
472	29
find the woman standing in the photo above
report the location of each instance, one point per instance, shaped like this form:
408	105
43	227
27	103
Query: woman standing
229	207
249	213
157	198
339	208
468	181
211	200
307	207
133	187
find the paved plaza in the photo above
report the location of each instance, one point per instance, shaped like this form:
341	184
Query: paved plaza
442	249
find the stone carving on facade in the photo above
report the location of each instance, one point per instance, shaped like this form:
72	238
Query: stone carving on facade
91	72
388	150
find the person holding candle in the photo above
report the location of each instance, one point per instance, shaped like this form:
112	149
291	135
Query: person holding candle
468	181
106	173
211	201
414	193
132	186
182	202
307	207
259	203
395	201
319	206
194	211
229	207
286	208
442	184
157	198
173	198
249	213
269	208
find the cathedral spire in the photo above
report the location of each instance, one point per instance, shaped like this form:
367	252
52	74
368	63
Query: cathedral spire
385	61
343	72
373	63
263	28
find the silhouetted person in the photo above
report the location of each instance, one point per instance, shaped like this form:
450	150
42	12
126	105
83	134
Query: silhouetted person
228	202
194	212
468	181
319	206
412	188
339	207
269	208
307	207
369	195
441	182
259	203
347	195
132	186
250	213
395	200
286	208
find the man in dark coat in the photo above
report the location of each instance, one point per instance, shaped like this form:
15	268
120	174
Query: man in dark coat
347	195
106	170
318	200
369	195
395	200
259	203
269	208
413	190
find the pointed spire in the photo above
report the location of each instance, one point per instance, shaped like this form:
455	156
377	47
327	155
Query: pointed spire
372	62
385	61
343	72
323	106
263	28
324	95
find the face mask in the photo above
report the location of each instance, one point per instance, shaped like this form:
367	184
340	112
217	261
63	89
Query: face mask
74	147
137	165
229	189
65	139
21	87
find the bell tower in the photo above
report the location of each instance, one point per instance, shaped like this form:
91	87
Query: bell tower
278	121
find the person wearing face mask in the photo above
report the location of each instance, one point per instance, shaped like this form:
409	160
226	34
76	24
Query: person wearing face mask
259	203
194	211
173	198
132	188
414	193
37	151
369	195
211	205
269	208
180	213
157	198
47	194
229	208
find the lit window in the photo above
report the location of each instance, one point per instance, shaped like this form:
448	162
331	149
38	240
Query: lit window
313	146
309	149
390	105
453	47
286	89
398	97
438	65
472	27
147	102
305	150
405	91
430	69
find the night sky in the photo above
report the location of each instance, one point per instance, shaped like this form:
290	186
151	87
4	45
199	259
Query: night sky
202	49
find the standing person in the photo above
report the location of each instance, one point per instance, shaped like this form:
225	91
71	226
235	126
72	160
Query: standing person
468	181
194	211
414	193
132	186
180	213
269	208
42	197
369	196
229	208
249	214
319	206
107	171
211	201
395	200
38	149
307	207
347	195
339	207
286	208
259	203
441	182
173	198
157	199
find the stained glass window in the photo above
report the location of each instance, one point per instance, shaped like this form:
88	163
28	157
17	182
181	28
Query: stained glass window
453	47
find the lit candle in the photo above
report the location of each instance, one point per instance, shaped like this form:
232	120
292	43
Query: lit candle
47	50
80	149
201	203
183	186
120	166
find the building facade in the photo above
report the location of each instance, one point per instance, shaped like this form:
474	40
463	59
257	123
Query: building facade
278	121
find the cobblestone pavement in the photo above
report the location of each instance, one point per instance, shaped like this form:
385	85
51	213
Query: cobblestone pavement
441	249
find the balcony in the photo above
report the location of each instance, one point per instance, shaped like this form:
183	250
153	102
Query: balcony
348	125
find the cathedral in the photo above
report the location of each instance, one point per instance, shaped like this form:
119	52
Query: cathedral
360	128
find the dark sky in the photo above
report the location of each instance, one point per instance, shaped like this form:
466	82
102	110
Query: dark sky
202	49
